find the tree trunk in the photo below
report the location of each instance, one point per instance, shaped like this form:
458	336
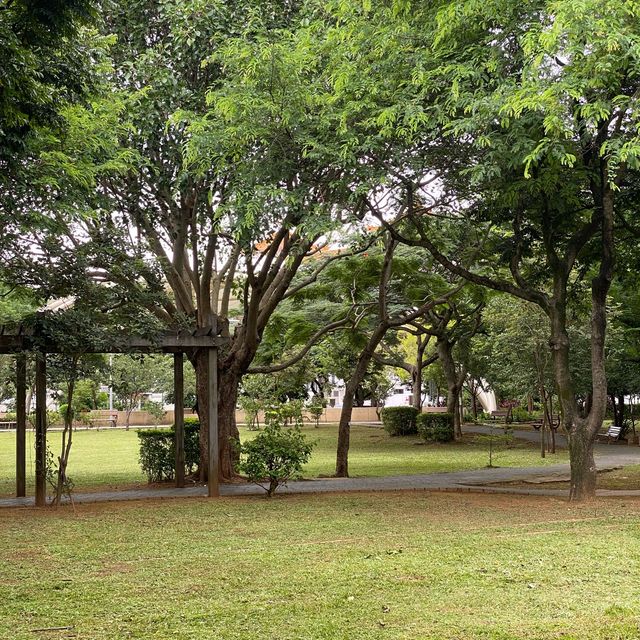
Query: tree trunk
453	383
67	440
416	374
416	387
583	466
344	426
545	421
582	432
549	410
621	408
344	429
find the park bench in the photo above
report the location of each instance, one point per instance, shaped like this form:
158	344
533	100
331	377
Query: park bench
555	423
11	424
612	434
500	413
108	419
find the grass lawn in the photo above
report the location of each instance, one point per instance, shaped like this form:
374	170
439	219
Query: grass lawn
109	458
386	566
626	478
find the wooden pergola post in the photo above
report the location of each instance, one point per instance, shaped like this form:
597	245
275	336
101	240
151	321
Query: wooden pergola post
178	396
41	429
214	454
24	339
21	425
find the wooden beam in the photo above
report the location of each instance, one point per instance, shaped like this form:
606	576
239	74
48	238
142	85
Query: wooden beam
41	429
21	425
168	343
214	453
178	397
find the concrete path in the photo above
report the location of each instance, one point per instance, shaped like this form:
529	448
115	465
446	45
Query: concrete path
480	480
615	454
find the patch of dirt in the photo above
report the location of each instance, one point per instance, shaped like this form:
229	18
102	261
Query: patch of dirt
113	569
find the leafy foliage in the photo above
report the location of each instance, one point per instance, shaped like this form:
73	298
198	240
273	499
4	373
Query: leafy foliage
399	421
315	407
274	456
157	451
435	427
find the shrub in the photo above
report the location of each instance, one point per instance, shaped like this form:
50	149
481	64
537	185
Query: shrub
519	414
191	444
274	455
435	427
281	414
399	421
157	450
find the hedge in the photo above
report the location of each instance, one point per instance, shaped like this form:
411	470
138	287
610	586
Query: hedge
157	450
399	421
435	427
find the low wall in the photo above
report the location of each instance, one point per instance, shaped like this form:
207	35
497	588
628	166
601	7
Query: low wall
332	414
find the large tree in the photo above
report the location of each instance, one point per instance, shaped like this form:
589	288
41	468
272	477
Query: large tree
536	108
216	239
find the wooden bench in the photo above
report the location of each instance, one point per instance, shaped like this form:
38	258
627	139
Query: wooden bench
9	425
109	420
612	434
501	413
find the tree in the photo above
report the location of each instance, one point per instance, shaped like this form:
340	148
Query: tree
453	325
623	347
76	334
217	239
536	115
132	377
390	310
407	350
515	348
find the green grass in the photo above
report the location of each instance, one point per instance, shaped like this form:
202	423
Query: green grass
410	566
626	478
109	458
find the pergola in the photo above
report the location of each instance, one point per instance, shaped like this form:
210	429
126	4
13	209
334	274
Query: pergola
20	340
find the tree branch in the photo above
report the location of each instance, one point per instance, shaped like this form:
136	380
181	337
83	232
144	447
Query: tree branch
303	352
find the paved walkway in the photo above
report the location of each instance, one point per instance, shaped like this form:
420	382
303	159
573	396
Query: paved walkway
480	480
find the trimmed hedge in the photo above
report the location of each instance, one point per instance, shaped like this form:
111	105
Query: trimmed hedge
157	450
435	427
399	421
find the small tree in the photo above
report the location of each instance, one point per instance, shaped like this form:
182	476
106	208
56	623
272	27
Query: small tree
251	407
155	410
131	378
316	408
274	455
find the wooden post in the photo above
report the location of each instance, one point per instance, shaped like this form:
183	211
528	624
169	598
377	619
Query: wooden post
41	429
178	396
214	454
21	425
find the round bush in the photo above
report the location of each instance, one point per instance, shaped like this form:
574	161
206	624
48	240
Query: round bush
274	455
399	421
435	427
157	450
